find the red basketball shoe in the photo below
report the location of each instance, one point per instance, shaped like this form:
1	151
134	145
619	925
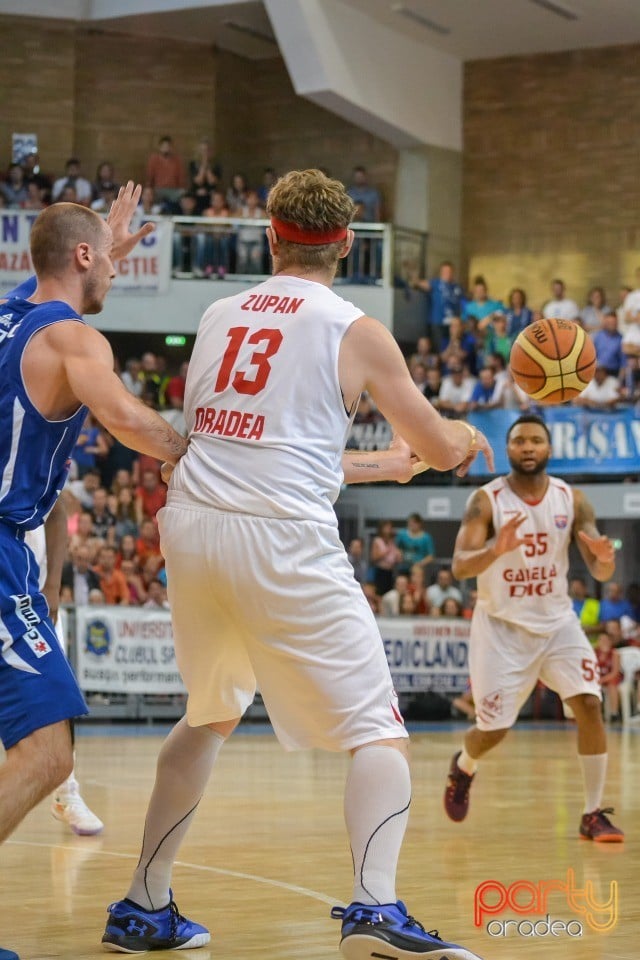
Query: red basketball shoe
456	794
597	826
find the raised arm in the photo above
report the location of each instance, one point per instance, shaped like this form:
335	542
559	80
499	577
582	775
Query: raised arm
69	362
119	219
371	360
597	550
471	553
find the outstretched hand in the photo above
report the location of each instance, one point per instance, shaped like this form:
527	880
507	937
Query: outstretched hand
601	547
507	538
119	219
479	445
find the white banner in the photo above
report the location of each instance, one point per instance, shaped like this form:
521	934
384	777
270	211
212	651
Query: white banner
130	650
426	653
146	270
126	650
15	259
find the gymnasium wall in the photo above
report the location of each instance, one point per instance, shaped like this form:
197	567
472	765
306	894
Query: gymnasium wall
260	120
550	179
110	96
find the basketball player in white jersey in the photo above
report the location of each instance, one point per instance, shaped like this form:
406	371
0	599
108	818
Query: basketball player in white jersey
515	538
273	384
48	544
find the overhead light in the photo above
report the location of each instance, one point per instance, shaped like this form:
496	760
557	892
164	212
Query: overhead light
249	31
417	17
557	8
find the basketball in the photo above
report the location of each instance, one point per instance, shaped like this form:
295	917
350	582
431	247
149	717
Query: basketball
552	360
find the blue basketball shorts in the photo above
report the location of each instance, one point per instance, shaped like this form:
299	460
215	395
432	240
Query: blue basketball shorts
37	685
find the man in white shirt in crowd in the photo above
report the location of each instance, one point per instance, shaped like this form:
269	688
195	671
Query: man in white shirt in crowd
602	393
72	178
631	305
392	598
560	307
442	590
455	392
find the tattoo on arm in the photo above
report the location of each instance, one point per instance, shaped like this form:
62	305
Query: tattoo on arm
584	517
368	466
473	510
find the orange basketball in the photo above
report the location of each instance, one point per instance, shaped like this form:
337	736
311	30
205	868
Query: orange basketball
552	360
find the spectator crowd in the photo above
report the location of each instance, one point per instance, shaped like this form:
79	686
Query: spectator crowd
195	190
461	363
112	499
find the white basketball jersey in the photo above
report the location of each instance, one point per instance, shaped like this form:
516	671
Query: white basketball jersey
528	586
263	406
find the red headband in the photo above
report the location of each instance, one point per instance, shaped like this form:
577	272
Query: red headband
295	234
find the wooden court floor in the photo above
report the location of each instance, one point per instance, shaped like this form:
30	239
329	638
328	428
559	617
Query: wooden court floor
267	855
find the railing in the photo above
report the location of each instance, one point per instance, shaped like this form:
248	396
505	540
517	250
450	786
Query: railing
214	248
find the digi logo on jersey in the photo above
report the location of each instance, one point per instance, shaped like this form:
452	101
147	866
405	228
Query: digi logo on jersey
560	521
98	638
530	581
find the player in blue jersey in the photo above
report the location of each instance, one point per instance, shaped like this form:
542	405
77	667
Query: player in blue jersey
49	544
52	367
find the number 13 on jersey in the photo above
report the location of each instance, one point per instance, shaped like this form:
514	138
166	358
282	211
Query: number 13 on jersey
242	382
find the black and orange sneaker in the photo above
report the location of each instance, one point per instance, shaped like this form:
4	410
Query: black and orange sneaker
597	826
456	794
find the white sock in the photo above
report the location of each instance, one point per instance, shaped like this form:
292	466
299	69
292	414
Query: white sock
376	810
70	786
467	763
594	772
184	767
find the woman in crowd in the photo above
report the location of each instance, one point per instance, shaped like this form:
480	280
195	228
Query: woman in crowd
385	556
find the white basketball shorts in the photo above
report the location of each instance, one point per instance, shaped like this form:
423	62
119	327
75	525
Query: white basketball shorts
507	661
274	602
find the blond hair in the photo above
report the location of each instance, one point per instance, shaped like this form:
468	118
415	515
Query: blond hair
56	233
312	201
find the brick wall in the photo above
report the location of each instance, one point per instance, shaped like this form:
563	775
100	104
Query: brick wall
107	96
37	70
550	181
262	122
130	91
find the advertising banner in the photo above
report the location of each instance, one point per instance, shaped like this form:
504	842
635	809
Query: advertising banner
582	442
426	653
146	270
125	650
130	650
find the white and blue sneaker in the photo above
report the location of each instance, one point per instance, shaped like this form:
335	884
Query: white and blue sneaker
130	929
387	931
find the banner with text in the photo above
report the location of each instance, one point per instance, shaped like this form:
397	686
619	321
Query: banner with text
126	650
426	653
582	442
147	269
130	650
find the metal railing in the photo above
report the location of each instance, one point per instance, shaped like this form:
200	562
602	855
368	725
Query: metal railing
214	248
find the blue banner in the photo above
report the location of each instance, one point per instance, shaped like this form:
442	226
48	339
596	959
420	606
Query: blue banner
582	442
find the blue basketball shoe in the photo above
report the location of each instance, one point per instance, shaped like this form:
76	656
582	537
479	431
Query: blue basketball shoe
388	932
130	929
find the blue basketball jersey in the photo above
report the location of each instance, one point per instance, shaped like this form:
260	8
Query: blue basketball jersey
34	451
23	290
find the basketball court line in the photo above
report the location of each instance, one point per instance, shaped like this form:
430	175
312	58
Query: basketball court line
267	881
